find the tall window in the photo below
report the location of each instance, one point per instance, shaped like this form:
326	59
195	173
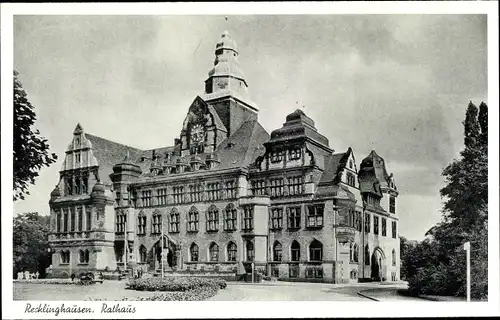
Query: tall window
230	218
231	189
258	187
85	183
351	252
65	220
73	219
88	217
58	221
315	215
294	154
146	197
213	191
143	253
277	187
65	257
250	251
277	251
78	158
367	222
193	252
367	255
295	185
384	227
393	257
68	181
293	217
276	156
121	219
231	251
359	222
196	193
141	223
78	186
156	223
276	218
392	204
351	179
174	221
178	193
247	221
394	229
193	220
84	256
118	198
161	196
350	164
214	252
212	218
315	251
375	224
295	251
356	253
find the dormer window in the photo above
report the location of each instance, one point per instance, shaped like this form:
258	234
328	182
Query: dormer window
294	154
276	156
350	164
351	179
77	142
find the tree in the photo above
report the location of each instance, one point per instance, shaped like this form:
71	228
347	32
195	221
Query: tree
30	148
437	265
30	243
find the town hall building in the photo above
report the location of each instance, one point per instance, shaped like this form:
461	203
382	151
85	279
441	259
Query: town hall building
225	196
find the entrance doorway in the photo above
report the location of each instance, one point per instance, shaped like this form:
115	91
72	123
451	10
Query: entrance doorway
378	265
168	249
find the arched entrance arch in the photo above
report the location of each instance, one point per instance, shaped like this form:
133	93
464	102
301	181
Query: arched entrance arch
169	251
378	264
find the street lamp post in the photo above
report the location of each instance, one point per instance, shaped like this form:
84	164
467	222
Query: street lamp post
467	250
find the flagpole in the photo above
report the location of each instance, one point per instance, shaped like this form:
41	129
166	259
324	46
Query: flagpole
162	245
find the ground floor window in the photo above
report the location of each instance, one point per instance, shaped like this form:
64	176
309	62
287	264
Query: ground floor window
314	272
143	254
84	256
193	251
65	257
275	271
250	251
293	271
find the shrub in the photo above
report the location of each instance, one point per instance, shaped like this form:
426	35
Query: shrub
175	284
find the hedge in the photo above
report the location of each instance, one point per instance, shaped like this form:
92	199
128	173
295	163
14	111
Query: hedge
175	284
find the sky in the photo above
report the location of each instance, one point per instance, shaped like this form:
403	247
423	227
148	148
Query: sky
398	84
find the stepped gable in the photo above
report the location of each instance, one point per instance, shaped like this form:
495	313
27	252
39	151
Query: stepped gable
108	153
243	147
298	125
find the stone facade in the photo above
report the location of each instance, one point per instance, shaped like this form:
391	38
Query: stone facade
225	196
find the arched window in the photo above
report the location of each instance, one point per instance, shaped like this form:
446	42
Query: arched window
356	253
231	251
250	251
141	223
174	220
193	252
393	257
81	255
367	255
193	220
277	251
315	251
143	252
295	250
87	256
230	218
156	223
212	218
214	252
65	257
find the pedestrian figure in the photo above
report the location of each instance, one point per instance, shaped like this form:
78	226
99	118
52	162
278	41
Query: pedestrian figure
26	275
37	274
73	277
19	275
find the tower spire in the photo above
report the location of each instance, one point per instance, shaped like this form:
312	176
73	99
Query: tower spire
226	75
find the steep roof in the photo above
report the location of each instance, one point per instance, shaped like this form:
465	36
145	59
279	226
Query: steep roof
334	166
298	125
108	153
372	174
243	147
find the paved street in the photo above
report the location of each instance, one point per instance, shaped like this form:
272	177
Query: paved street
271	291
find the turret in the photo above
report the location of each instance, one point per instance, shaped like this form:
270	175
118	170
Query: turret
124	173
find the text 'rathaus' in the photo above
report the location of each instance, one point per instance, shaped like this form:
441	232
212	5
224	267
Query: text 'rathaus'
226	195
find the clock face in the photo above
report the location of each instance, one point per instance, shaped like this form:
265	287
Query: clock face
197	133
